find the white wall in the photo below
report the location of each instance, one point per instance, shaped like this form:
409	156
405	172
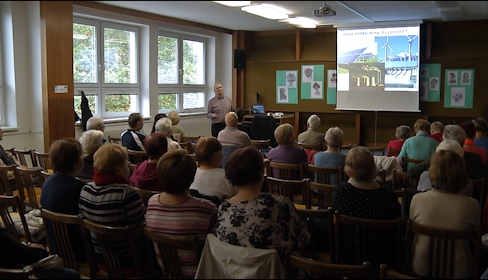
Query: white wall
24	84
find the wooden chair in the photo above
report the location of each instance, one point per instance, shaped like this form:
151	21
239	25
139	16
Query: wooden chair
387	273
346	147
8	202
24	273
189	146
106	238
314	146
23	155
442	249
323	174
290	189
402	180
187	138
377	151
168	247
315	249
7	180
42	160
393	151
288	171
369	238
319	194
408	162
322	270
29	182
116	140
263	145
381	178
136	156
480	190
64	228
145	195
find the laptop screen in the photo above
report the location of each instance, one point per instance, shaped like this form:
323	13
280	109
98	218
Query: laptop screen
258	109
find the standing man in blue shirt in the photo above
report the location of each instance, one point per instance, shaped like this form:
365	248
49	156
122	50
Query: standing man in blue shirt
217	108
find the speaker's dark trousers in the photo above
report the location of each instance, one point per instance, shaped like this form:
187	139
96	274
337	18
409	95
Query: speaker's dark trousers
216	128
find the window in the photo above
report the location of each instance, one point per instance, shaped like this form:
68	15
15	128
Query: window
181	73
106	67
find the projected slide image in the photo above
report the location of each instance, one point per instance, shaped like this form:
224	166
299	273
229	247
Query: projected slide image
365	74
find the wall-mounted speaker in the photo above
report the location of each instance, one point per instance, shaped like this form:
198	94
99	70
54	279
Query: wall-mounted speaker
239	59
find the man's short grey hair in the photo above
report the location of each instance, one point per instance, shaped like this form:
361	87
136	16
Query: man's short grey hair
94	123
334	137
313	122
164	126
403	132
454	132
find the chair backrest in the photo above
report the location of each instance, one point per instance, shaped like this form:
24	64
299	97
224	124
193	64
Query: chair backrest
29	182
315	219
107	237
24	273
145	194
116	140
7	205
323	174
387	273
402	180
63	228
371	240
263	128
290	189
7	178
168	250
137	156
381	179
262	145
409	162
320	194
377	150
288	171
346	147
187	138
226	151
25	157
42	160
322	270
441	253
309	146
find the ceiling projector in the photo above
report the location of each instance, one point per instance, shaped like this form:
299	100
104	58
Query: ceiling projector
325	11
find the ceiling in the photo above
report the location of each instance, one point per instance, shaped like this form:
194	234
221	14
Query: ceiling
348	12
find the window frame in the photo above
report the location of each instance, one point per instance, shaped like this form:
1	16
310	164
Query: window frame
100	87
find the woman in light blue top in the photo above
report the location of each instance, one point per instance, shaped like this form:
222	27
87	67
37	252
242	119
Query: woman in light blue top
332	157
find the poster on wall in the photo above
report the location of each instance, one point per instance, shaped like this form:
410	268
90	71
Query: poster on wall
458	88
430	81
286	87
331	86
312	82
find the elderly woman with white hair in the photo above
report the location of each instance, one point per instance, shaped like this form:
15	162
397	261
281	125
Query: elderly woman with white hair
165	127
312	135
90	141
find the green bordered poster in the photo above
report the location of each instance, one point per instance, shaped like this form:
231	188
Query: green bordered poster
286	87
331	86
430	83
312	82
458	88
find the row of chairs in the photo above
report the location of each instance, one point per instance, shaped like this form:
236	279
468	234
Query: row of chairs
31	158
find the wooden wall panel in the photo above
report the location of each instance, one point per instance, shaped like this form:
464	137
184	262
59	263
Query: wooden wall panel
57	69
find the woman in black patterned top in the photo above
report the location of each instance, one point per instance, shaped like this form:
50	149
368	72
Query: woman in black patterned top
255	219
362	197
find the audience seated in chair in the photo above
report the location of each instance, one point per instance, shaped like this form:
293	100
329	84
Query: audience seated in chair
444	207
469	144
255	219
436	130
90	141
132	137
145	175
332	157
286	152
165	127
175	211
481	135
312	135
61	191
363	197
210	178
230	135
111	200
420	146
96	123
402	133
175	120
156	119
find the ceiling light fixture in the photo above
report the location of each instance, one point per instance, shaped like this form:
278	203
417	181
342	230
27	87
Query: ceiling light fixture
300	22
267	11
234	3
